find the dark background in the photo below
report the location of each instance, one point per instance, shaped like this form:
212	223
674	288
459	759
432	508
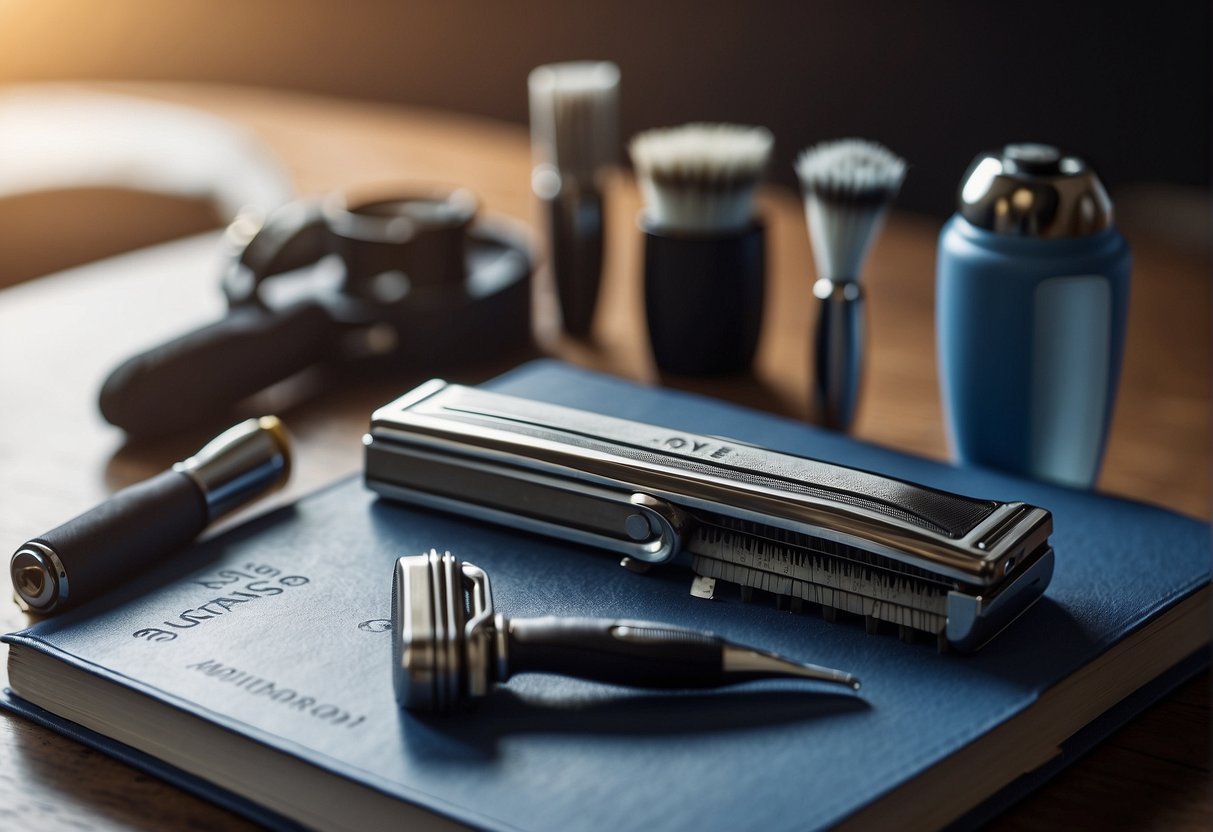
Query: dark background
1126	85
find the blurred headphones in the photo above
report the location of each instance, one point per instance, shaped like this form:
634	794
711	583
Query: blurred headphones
419	282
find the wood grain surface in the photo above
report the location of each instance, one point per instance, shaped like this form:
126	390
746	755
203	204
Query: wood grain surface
60	335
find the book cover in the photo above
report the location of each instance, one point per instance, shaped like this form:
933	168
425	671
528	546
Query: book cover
274	634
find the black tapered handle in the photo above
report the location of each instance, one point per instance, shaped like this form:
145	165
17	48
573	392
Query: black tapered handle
575	231
838	357
133	529
634	653
196	378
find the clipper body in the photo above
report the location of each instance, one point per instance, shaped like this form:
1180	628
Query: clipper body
926	560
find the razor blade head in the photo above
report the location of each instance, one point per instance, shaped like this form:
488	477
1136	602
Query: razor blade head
442	612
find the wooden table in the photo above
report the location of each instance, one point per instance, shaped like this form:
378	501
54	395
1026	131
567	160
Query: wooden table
60	335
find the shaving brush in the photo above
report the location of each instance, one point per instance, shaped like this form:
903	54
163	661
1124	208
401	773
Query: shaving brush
848	186
574	136
704	253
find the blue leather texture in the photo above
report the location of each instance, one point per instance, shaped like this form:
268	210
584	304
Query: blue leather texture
548	753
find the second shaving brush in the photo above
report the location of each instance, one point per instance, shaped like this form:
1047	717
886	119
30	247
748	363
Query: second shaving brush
848	186
574	135
704	253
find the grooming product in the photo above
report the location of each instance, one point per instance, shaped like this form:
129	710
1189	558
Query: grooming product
450	647
891	551
848	186
424	281
704	249
149	521
1032	298
574	136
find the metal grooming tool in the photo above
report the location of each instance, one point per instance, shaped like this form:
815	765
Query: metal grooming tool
892	551
449	646
150	520
424	281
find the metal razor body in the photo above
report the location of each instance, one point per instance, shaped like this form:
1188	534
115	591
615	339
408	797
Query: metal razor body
889	550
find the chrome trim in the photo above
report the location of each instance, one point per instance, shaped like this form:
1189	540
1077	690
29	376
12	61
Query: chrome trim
538	445
478	632
239	464
975	619
39	556
1031	190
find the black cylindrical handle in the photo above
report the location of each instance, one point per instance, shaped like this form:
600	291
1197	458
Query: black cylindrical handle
575	232
131	530
704	299
838	360
634	653
197	377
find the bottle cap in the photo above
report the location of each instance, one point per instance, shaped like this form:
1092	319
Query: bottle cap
1033	190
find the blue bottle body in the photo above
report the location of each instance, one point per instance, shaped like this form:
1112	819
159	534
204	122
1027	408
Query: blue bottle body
1030	340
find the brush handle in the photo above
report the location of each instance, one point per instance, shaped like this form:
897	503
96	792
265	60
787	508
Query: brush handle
575	233
839	343
704	297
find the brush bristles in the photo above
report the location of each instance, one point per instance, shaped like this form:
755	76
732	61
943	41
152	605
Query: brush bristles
848	186
701	177
851	171
575	117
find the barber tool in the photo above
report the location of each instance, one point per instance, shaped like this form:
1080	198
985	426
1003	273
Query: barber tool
1031	306
892	551
848	186
449	646
149	521
574	135
704	251
422	283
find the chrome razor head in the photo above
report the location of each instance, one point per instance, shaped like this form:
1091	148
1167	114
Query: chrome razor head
442	632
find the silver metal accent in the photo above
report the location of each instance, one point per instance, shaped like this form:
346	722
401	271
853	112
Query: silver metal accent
445	651
784	524
1032	190
478	636
737	659
551	502
502	642
975	619
239	464
668	524
39	578
414	634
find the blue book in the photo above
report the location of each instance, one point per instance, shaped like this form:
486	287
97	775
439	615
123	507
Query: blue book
255	669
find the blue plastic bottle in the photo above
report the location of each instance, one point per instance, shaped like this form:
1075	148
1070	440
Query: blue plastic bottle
1032	297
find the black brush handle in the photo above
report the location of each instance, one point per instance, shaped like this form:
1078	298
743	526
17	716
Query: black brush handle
196	378
839	345
133	529
704	296
575	231
634	653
